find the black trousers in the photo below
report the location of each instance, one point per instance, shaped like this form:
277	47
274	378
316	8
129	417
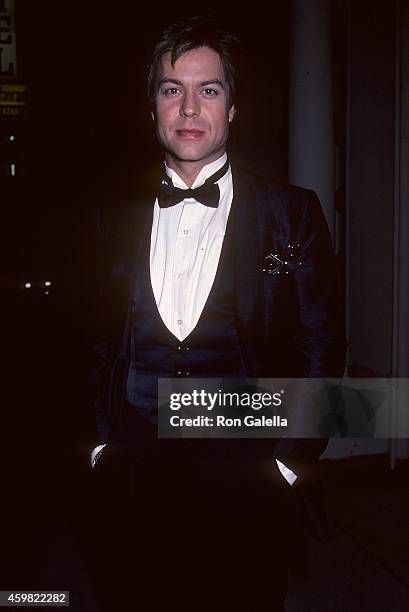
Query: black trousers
190	524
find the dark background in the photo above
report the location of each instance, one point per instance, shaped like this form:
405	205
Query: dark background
85	144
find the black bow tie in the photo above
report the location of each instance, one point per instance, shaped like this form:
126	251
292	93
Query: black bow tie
207	194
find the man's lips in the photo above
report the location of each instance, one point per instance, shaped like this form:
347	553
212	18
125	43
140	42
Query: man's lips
189	133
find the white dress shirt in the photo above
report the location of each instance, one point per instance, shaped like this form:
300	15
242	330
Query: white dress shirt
186	242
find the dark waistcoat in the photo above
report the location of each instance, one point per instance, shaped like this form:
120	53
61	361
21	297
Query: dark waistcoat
211	349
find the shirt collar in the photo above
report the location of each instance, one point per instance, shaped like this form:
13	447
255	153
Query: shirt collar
204	173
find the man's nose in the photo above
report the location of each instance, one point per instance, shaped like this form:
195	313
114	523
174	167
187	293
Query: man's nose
190	105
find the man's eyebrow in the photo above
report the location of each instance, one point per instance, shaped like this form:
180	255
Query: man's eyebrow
212	82
166	80
202	84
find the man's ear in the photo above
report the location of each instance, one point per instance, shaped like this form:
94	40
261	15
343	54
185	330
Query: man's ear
232	112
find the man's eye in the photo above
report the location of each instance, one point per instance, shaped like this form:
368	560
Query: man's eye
170	91
210	92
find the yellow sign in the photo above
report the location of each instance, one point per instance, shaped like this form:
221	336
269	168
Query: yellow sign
14	95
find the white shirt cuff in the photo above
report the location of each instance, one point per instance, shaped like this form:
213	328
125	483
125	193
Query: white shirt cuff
288	474
95	453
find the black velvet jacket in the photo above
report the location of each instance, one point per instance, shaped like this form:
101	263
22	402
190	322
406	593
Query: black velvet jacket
286	292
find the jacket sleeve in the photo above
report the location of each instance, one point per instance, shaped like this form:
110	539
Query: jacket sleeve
110	345
318	336
317	339
319	342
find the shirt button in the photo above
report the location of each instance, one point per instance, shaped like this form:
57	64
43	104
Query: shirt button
179	321
181	274
186	231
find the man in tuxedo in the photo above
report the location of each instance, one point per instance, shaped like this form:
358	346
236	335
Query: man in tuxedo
224	274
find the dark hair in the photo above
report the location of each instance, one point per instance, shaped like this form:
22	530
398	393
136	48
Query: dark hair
193	33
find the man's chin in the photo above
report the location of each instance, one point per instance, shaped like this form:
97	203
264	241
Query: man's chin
190	159
189	154
193	155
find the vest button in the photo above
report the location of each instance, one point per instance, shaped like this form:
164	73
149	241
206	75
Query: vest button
182	349
179	373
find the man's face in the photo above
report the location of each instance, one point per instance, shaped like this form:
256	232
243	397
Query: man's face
192	106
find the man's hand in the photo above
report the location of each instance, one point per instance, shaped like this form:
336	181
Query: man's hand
311	508
302	455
